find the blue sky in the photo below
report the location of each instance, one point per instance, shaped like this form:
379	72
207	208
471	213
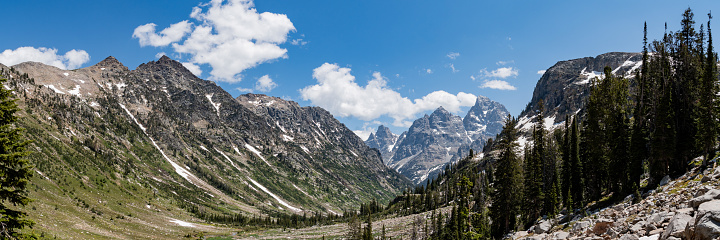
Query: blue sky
367	62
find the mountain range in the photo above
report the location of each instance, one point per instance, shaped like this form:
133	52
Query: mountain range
143	149
434	140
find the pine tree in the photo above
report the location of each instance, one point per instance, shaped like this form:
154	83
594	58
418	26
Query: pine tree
686	67
534	178
619	136
576	177
639	136
662	141
706	112
507	182
15	170
565	167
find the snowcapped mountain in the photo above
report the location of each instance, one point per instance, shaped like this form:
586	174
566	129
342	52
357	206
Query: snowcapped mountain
439	138
383	140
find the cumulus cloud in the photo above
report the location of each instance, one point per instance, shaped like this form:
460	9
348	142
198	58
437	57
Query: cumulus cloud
194	68
541	72
230	36
498	84
428	71
338	92
247	90
147	36
70	60
503	72
453	55
265	84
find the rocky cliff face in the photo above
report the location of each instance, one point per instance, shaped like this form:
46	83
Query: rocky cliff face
161	137
565	86
384	141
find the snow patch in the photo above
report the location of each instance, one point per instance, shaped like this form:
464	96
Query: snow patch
183	223
75	91
55	89
287	138
102	68
66	74
252	149
281	128
274	196
549	122
216	105
203	148
305	149
589	76
228	159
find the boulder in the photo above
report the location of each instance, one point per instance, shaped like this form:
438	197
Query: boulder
637	227
581	226
708	220
664	181
561	235
542	227
709	195
629	237
677	225
651	237
519	234
601	226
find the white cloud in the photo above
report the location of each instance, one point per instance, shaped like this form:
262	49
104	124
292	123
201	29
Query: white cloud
428	71
230	36
541	72
147	36
160	54
70	60
453	55
337	91
298	42
247	90
194	68
452	66
501	63
503	72
265	84
498	84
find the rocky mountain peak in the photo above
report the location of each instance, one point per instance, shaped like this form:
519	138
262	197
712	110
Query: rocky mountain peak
166	65
383	140
111	63
484	119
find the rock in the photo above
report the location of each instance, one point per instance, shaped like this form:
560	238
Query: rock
637	227
677	225
629	237
710	195
519	234
536	237
708	220
601	226
542	227
581	226
561	235
706	178
656	232
657	218
673	238
665	180
652	237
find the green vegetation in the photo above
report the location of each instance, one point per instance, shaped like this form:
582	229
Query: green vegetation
15	169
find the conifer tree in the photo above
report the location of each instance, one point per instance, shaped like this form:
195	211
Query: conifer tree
15	169
507	182
565	167
576	178
706	111
533	168
639	136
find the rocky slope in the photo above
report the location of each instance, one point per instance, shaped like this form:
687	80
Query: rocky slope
439	138
161	144
684	208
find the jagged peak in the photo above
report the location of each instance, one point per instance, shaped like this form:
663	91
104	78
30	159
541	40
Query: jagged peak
440	111
111	62
164	61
